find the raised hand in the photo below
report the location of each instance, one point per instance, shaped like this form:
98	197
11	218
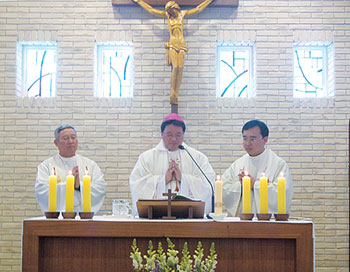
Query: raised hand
75	173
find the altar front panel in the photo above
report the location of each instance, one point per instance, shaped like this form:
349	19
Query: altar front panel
98	245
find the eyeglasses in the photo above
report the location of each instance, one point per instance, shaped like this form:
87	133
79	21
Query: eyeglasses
177	136
252	139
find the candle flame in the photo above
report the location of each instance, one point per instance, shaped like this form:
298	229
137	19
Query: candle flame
218	177
281	174
70	172
246	173
263	174
86	171
53	172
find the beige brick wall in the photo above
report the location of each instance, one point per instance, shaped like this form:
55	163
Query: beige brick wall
310	135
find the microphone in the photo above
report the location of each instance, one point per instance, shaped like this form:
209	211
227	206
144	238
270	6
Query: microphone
211	185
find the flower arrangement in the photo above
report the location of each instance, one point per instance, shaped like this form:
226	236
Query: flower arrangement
161	261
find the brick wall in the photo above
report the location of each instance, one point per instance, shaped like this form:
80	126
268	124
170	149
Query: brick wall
311	135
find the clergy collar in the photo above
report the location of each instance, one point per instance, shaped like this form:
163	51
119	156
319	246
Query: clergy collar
161	146
258	157
68	159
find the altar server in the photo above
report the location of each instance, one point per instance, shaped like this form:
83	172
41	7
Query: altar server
67	160
166	166
257	162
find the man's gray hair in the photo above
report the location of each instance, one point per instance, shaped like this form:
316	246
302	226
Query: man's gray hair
62	127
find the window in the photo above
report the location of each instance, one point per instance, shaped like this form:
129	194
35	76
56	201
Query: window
37	69
235	71
114	64
313	71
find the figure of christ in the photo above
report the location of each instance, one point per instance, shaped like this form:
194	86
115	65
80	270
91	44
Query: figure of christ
176	48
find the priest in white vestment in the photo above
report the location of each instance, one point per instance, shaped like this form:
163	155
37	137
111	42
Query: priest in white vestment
67	160
167	167
257	162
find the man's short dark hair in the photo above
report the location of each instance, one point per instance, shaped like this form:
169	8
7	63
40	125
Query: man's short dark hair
257	123
173	122
63	127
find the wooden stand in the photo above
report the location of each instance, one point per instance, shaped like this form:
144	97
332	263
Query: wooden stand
169	194
174	108
158	208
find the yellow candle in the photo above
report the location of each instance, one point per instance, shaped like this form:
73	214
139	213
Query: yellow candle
52	192
218	195
281	195
87	192
69	192
246	194
263	195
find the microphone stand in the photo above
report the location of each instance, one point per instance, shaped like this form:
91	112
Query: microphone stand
211	185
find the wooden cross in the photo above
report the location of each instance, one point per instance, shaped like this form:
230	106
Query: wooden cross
229	3
169	194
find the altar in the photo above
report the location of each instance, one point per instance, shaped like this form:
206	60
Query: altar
104	243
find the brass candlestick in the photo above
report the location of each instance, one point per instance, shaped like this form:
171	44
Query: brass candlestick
246	216
263	216
281	216
69	215
52	215
86	215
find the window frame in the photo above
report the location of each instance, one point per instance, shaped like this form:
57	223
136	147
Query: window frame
327	72
98	83
22	51
251	85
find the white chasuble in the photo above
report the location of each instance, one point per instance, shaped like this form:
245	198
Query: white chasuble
269	164
147	180
63	166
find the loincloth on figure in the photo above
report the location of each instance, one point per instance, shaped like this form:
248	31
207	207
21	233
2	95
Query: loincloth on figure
176	47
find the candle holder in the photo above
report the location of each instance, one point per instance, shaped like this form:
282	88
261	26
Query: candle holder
246	216
69	215
264	216
52	215
281	216
86	215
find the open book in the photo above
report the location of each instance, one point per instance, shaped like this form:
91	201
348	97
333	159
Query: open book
181	197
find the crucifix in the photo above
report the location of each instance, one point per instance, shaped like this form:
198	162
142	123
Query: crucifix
176	48
217	3
169	194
